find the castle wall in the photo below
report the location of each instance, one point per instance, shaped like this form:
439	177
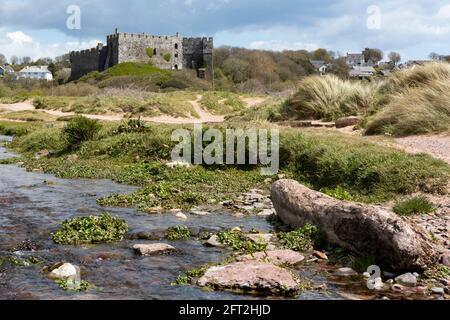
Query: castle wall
86	61
198	53
133	48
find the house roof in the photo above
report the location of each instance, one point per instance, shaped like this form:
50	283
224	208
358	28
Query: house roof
35	69
318	63
360	71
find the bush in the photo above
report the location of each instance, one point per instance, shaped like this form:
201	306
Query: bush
299	240
329	98
79	130
238	241
178	233
167	57
91	230
150	52
415	205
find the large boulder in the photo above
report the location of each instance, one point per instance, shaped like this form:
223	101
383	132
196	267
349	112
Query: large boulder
277	257
365	229
251	276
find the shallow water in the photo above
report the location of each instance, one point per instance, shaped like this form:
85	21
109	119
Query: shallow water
31	208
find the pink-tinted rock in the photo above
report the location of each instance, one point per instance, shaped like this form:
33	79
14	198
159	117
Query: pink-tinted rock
251	276
445	259
278	257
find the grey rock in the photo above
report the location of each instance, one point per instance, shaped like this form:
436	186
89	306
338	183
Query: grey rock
277	257
360	228
152	249
214	242
436	290
407	280
345	272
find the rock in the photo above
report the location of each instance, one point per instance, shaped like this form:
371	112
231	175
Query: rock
176	164
347	122
251	276
199	213
41	154
65	272
390	281
364	229
445	259
214	242
398	288
278	257
389	275
366	275
181	216
320	255
260	237
152	249
407	280
72	158
445	282
236	229
378	284
266	212
447	290
436	290
346	272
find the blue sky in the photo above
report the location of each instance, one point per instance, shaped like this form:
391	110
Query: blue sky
38	28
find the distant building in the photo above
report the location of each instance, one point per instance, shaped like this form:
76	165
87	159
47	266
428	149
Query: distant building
320	66
35	73
6	70
355	59
362	72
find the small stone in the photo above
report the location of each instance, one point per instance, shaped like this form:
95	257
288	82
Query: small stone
41	154
445	259
415	274
268	180
345	272
199	213
445	282
152	249
390	281
236	229
389	275
181	216
281	176
398	288
407	280
214	242
440	291
366	275
347	122
447	290
266	212
259	237
64	272
320	255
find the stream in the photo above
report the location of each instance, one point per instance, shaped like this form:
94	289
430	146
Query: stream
33	205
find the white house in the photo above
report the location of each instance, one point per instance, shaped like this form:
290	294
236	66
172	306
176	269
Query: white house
355	59
362	72
320	66
36	73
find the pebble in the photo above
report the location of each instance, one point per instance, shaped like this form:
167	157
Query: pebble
320	255
64	272
181	216
346	272
199	213
407	280
397	288
440	291
152	249
214	242
236	229
366	275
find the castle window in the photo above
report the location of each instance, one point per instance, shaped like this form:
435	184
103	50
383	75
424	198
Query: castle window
176	67
176	55
154	51
176	46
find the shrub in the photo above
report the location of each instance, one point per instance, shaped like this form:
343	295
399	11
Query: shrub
133	126
329	98
167	57
178	233
415	205
237	241
299	240
91	230
79	130
150	52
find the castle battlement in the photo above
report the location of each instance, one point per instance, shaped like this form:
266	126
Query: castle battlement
172	52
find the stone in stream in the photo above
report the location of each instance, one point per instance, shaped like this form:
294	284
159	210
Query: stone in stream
407	280
181	216
320	255
214	242
66	271
152	249
277	257
365	229
437	290
346	272
258	277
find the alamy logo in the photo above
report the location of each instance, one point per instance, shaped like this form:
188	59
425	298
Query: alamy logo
73	22
374	19
232	147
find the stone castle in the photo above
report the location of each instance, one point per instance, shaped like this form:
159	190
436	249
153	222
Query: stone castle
164	52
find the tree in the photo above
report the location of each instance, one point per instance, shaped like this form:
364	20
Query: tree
434	56
3	59
395	58
322	54
26	60
15	60
339	68
373	55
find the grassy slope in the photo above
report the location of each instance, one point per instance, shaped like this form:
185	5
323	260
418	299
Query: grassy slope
366	172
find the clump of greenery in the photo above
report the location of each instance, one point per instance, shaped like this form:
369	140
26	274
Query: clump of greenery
79	130
439	272
17	262
69	285
178	233
361	263
190	275
329	98
222	102
150	52
299	240
133	126
415	205
338	193
91	230
167	57
237	241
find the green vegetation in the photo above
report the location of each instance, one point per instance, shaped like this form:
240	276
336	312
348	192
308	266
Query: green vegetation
80	130
178	233
190	275
238	241
91	230
167	57
299	240
438	273
361	263
221	102
150	52
415	205
28	116
69	285
23	263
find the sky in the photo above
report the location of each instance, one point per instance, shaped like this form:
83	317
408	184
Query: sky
48	28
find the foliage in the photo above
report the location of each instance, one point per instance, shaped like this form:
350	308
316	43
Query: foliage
414	205
68	285
178	233
150	52
238	241
299	240
167	57
361	263
338	193
190	276
79	130
438	273
91	230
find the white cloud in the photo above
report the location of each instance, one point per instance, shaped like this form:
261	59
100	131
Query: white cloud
19	37
279	45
